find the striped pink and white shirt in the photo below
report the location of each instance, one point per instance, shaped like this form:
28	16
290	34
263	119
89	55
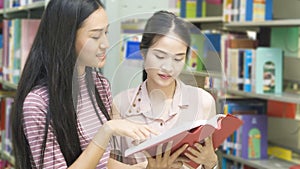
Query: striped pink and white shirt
35	109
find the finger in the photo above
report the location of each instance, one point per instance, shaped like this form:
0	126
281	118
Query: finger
177	164
151	130
178	152
145	132
159	152
199	147
149	157
194	152
140	135
183	159
208	141
147	154
191	157
131	135
168	151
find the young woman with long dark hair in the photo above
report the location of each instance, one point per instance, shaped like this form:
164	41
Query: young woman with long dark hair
61	116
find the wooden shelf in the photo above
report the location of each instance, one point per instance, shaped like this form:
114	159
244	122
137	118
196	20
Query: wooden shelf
35	5
285	22
273	163
284	97
4	155
209	19
8	84
202	74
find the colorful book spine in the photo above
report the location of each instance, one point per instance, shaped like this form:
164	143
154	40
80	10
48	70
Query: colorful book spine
268	70
247	69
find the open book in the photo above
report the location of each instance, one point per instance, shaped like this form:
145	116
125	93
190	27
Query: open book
220	127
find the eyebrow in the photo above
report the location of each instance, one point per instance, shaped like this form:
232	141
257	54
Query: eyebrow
99	29
161	51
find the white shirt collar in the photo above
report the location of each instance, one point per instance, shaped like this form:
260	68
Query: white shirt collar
144	107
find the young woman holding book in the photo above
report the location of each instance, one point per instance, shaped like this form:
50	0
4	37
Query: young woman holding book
162	100
61	116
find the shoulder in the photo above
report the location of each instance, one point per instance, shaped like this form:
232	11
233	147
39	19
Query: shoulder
37	97
125	96
198	91
123	100
35	105
203	98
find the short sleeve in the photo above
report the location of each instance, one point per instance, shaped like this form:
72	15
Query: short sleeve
34	120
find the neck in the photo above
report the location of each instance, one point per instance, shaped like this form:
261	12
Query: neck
81	70
167	91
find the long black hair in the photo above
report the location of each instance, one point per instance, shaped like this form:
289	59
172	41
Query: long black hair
160	24
51	63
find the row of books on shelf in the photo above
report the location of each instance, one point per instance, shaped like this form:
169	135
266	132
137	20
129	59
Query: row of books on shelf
16	40
251	140
199	8
250	68
16	3
247	10
233	10
5	130
255	70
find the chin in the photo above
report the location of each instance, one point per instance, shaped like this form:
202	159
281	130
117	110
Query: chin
165	83
101	64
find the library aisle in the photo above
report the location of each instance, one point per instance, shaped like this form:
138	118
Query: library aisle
253	72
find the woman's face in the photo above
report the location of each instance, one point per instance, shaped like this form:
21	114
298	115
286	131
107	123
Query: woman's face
91	40
165	60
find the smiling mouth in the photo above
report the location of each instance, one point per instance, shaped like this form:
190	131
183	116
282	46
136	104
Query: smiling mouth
101	56
163	76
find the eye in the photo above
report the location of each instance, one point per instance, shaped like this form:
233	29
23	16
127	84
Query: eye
95	37
159	56
178	59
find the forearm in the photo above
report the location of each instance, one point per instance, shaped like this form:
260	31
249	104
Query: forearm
114	164
91	156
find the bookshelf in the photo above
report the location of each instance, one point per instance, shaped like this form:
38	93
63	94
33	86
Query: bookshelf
33	10
272	23
29	11
209	19
4	155
9	85
273	163
33	6
263	30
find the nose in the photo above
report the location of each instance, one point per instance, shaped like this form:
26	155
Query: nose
104	44
167	66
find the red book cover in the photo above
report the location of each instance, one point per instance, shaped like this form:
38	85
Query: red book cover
282	109
220	127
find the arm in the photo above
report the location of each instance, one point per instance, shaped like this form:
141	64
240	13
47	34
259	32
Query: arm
34	125
114	164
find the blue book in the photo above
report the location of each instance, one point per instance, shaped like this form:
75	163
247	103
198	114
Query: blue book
183	8
247	69
249	10
199	8
269	10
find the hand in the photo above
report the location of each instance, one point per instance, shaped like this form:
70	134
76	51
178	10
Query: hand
123	127
203	154
166	160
